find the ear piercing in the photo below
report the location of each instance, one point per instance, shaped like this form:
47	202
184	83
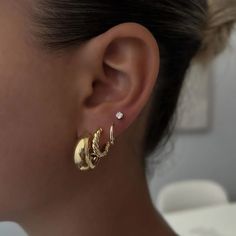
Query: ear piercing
88	152
119	115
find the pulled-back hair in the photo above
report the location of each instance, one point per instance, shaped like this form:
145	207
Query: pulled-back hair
181	28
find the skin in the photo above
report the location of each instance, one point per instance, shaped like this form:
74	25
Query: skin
49	101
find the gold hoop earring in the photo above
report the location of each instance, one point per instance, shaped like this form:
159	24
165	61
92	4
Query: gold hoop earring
87	153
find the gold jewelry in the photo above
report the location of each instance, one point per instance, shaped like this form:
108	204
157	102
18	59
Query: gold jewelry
87	159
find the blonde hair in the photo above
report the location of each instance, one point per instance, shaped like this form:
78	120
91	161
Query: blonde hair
221	19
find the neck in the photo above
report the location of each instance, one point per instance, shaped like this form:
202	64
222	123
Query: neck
114	201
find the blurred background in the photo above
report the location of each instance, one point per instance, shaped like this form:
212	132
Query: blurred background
194	183
205	148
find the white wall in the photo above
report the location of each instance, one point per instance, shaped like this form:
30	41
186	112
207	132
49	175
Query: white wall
211	154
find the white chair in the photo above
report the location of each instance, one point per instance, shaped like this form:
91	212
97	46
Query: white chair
190	194
11	229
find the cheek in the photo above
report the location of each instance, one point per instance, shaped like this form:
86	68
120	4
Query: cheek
36	130
38	121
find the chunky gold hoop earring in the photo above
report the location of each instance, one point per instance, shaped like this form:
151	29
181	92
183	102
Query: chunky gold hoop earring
87	153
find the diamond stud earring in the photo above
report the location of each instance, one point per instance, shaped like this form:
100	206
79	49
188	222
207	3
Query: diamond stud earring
119	115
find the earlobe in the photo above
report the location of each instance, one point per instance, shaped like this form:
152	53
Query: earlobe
128	65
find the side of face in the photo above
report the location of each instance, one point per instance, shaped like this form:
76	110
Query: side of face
47	100
38	119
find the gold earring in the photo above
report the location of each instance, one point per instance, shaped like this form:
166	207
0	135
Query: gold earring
88	153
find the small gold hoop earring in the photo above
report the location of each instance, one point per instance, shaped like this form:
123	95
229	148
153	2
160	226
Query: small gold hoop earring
87	152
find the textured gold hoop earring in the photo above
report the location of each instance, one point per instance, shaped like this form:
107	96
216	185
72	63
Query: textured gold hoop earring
88	153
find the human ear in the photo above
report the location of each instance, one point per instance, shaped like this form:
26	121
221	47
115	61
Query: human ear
121	67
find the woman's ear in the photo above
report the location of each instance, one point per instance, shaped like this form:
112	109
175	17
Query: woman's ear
120	69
